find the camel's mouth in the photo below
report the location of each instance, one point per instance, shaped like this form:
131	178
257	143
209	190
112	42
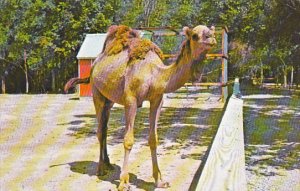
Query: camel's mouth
210	43
209	37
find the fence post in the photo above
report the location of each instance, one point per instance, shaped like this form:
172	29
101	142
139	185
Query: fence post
236	88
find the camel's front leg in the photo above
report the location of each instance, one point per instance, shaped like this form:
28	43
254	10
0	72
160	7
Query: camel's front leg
130	113
155	107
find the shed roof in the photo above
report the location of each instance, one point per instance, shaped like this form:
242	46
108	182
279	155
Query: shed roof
91	46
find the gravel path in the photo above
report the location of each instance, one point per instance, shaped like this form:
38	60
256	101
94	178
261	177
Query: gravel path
48	142
272	140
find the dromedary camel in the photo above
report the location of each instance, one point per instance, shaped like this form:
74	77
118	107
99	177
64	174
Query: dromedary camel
129	71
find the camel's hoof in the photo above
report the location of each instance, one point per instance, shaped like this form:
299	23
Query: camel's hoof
162	184
104	167
124	187
108	166
101	174
106	160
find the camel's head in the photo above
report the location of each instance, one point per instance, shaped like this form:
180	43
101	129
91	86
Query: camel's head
201	38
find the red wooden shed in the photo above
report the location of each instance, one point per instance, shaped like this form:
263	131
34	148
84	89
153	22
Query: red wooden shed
90	48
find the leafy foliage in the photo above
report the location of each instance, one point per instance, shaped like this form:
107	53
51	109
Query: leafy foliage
48	33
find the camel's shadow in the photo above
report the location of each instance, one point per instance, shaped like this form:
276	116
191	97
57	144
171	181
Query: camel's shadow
112	176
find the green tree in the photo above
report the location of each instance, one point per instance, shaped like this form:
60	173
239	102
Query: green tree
133	14
50	32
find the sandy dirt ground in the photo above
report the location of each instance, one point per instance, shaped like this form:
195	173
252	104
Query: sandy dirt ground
272	140
48	142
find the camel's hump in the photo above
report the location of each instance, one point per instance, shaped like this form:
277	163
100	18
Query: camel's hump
138	48
123	37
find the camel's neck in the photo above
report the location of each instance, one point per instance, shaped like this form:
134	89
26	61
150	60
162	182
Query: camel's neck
180	71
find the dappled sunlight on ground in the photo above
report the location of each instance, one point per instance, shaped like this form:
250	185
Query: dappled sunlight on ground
264	96
272	140
49	141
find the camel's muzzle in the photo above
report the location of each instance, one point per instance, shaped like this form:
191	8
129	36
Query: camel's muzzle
211	41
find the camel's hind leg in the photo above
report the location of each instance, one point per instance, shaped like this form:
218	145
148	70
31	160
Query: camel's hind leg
155	107
102	107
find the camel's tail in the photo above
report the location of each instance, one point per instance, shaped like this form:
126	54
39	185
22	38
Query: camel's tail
73	81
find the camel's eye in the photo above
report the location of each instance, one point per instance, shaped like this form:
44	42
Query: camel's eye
195	37
207	36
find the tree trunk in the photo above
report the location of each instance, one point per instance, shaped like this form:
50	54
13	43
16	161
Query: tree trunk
284	77
26	72
26	79
261	73
297	80
3	84
53	80
277	78
292	77
149	6
285	71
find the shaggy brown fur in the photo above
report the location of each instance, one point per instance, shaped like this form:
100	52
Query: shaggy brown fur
138	49
122	37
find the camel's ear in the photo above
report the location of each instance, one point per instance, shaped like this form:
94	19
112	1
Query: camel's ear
112	29
187	31
212	28
134	33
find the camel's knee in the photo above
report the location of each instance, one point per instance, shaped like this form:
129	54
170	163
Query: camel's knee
153	141
102	131
128	141
100	134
